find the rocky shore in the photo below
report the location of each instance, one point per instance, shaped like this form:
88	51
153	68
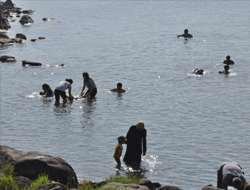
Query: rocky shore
28	166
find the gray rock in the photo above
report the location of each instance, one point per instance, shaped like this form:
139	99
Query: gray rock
4	36
4	23
52	186
146	182
22	181
156	184
8	4
32	164
41	38
28	11
26	19
22	36
119	186
48	19
170	188
210	187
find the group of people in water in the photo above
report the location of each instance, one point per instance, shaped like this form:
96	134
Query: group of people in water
197	71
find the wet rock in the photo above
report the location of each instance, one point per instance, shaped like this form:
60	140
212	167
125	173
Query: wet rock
18	40
31	63
33	164
26	19
22	36
4	23
18	16
210	187
28	11
8	4
119	186
48	19
6	41
4	36
7	59
156	184
33	40
170	188
146	182
22	181
41	38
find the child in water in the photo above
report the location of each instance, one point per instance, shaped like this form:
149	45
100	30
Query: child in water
198	71
118	89
118	149
47	92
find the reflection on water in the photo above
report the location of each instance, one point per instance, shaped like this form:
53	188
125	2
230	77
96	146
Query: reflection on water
88	108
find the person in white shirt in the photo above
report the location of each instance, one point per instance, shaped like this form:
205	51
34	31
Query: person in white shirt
60	91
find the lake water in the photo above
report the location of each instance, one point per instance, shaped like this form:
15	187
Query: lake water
194	123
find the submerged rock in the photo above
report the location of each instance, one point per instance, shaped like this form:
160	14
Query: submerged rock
33	164
28	11
48	19
31	63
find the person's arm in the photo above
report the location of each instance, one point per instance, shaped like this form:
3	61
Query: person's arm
117	155
70	95
42	93
82	88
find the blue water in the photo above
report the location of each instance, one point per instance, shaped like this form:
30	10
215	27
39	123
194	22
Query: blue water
194	123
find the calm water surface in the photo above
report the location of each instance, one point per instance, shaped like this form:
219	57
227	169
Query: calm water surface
194	123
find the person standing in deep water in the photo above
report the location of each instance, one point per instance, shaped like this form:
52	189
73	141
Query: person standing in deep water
136	143
228	61
185	35
89	82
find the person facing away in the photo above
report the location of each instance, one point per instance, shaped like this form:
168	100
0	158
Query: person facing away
60	91
185	35
136	143
118	149
89	82
226	70
230	174
118	89
47	92
198	71
228	61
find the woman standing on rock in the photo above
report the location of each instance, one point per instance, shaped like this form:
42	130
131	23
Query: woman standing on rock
89	82
136	136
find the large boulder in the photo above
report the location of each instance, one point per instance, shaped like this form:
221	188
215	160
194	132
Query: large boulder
33	164
31	63
119	186
8	4
26	19
22	36
4	23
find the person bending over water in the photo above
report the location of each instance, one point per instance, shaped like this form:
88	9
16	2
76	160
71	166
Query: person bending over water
230	174
60	91
185	35
226	70
47	92
198	71
136	143
228	61
89	82
118	89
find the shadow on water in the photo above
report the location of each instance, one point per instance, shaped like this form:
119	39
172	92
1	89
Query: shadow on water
88	108
63	108
119	96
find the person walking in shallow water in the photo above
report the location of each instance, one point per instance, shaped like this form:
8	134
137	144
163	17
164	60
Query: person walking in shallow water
228	61
136	143
89	82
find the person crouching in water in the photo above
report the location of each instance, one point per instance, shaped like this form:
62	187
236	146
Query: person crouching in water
118	149
89	82
60	91
47	92
226	70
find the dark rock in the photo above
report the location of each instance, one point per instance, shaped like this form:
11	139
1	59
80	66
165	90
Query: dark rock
92	183
169	188
52	186
4	23
28	11
48	19
22	181
18	16
156	184
22	36
119	186
26	19
4	36
18	40
41	38
7	58
33	40
33	164
210	187
146	182
31	63
6	41
8	4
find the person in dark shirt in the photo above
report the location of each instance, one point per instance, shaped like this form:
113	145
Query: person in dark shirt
118	89
47	92
185	35
228	61
136	143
